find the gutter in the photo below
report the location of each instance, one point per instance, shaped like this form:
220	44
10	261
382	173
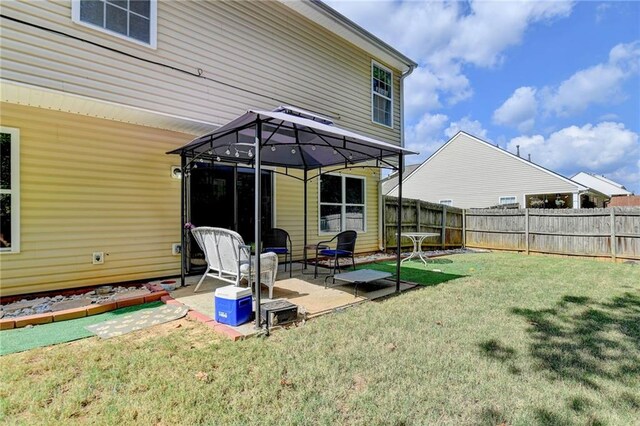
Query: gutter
381	240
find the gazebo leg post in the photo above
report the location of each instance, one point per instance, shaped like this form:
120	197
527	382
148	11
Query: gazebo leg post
258	219
183	205
304	247
399	222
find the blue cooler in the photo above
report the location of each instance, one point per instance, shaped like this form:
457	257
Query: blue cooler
233	305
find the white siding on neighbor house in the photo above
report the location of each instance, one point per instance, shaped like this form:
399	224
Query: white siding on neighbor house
270	53
474	174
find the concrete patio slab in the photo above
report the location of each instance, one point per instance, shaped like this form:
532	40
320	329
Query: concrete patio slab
309	294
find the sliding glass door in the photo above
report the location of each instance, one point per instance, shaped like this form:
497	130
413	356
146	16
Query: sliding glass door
223	196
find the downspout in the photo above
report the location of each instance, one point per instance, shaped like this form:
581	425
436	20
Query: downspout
381	241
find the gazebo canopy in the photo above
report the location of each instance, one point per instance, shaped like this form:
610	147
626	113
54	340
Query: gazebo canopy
290	138
287	137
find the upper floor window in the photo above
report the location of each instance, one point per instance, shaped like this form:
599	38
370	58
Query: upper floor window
381	95
9	189
342	203
508	200
133	20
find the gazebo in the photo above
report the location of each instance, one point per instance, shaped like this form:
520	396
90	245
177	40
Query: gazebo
290	139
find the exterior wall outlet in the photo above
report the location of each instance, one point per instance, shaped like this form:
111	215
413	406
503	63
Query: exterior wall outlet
176	249
98	258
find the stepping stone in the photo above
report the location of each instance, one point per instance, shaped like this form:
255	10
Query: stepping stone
132	293
70	304
24	304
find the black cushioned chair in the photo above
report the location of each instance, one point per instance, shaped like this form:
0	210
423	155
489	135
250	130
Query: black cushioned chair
345	247
277	241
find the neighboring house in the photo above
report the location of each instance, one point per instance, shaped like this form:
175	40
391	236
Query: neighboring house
468	172
601	184
390	182
95	93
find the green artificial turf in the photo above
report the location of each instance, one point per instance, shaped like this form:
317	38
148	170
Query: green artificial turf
23	339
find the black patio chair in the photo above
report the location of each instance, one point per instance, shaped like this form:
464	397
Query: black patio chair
277	241
345	247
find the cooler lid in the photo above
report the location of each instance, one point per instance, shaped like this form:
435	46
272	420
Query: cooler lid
232	292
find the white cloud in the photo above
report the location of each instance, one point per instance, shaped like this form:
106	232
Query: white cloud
609	117
606	148
519	110
423	90
426	135
601	11
465	124
433	130
599	84
444	37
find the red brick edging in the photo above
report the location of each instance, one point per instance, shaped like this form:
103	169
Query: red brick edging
157	292
209	322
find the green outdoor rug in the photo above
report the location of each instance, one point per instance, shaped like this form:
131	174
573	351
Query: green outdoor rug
23	339
137	321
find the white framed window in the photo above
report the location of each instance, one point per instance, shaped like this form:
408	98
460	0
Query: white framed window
446	202
9	190
509	199
342	203
133	20
381	95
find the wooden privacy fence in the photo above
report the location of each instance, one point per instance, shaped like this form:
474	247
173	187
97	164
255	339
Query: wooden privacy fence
611	232
422	216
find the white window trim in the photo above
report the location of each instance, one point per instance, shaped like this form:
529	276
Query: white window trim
379	65
153	25
444	202
507	196
14	191
343	204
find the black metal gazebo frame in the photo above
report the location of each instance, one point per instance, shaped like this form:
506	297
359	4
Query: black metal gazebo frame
296	140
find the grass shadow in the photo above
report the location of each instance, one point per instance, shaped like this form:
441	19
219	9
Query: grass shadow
439	261
416	275
586	341
496	350
492	417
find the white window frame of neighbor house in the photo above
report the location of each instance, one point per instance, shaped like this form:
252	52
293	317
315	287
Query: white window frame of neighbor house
14	190
503	197
343	204
375	64
447	202
153	21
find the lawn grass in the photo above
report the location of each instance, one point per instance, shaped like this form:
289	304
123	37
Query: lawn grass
518	339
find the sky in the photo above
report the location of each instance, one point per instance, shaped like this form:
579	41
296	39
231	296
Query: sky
561	79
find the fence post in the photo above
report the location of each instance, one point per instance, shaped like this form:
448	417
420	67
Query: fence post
383	218
613	234
444	225
526	230
418	202
464	228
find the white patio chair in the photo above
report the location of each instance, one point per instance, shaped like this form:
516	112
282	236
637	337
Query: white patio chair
228	258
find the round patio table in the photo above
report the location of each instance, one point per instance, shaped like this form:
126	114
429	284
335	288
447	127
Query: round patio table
417	238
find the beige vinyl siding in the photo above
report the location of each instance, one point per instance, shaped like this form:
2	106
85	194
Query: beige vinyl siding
290	210
475	174
91	185
263	47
